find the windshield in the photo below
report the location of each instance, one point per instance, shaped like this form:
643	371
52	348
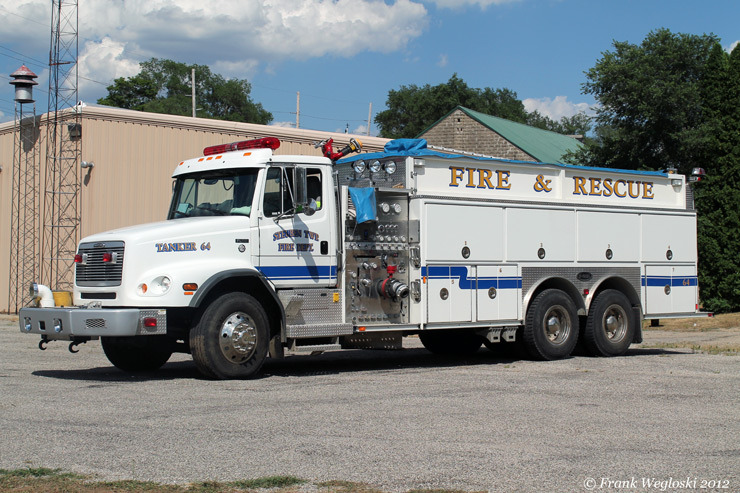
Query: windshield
214	194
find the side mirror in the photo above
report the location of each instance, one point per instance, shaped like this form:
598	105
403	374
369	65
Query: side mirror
300	183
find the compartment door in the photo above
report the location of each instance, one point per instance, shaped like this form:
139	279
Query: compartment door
449	293
498	293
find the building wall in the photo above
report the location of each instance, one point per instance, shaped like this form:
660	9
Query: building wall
134	154
459	131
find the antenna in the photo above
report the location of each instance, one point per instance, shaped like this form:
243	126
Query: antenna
63	135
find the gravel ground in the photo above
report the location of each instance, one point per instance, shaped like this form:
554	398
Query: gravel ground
394	419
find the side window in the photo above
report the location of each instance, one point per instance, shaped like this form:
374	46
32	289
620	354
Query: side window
273	192
313	185
278	197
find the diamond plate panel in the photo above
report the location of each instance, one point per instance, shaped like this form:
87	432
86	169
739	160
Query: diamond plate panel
532	275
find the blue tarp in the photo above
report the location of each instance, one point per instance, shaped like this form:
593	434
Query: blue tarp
418	147
364	200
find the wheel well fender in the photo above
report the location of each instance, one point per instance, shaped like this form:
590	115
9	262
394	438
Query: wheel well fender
626	288
246	281
555	283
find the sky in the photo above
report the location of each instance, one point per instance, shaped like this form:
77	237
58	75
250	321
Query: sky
343	56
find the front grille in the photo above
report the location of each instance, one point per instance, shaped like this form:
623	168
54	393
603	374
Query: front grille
93	272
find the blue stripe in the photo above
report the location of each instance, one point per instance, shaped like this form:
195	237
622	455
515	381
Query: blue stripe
460	274
660	281
299	272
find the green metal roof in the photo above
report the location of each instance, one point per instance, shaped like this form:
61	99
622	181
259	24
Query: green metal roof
543	145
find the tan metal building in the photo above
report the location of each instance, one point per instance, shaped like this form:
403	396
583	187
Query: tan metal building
134	154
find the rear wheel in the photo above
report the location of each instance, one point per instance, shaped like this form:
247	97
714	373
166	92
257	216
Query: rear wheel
451	342
139	353
610	326
231	337
551	327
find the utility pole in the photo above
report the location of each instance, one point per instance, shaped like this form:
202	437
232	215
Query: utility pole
192	85
298	110
369	117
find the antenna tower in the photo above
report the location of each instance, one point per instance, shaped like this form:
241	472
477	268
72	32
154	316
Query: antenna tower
61	209
24	247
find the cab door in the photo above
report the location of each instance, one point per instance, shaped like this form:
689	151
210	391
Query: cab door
296	249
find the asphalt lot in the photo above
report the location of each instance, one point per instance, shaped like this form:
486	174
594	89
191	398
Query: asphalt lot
394	419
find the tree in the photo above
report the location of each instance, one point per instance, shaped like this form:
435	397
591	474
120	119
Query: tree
650	106
164	86
413	109
718	196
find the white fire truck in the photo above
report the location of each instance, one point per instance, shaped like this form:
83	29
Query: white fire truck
263	254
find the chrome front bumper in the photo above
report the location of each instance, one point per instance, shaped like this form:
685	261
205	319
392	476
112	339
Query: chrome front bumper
68	323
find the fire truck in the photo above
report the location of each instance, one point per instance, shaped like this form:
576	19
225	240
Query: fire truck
264	255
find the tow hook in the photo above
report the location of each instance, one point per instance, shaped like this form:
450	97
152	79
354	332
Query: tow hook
74	344
43	342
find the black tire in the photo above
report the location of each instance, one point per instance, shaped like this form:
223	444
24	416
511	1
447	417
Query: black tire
551	327
139	353
451	342
610	326
231	337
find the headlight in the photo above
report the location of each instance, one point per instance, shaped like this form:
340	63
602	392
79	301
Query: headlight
359	166
375	166
390	167
156	287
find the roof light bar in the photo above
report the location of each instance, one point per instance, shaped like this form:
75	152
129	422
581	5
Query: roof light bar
263	143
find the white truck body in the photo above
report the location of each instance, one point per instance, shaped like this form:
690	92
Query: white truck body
461	247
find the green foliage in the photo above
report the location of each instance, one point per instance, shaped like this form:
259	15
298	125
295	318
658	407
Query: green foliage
718	197
164	86
650	105
412	109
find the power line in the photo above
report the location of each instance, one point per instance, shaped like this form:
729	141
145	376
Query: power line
23	55
26	18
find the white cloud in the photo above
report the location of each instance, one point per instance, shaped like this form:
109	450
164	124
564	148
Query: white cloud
442	62
283	124
233	36
555	108
103	61
360	130
459	4
732	46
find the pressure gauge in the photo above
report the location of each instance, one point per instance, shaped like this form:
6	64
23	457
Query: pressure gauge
375	166
397	208
384	207
359	166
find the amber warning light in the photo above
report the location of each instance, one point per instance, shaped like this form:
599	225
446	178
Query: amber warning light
263	143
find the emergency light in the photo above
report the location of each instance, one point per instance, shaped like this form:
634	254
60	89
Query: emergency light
263	143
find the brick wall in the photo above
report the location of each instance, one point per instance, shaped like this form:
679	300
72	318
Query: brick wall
460	132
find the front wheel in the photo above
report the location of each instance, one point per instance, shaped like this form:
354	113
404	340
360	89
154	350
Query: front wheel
551	327
610	327
139	353
231	337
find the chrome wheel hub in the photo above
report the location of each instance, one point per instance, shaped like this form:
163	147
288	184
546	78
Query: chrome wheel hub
615	323
557	325
238	337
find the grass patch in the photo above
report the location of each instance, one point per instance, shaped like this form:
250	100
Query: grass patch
722	321
699	348
43	480
268	482
347	487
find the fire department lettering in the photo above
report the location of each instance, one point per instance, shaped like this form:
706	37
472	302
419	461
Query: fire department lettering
175	247
607	187
480	178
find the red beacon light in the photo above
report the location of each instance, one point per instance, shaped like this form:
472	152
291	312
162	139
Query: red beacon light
263	143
